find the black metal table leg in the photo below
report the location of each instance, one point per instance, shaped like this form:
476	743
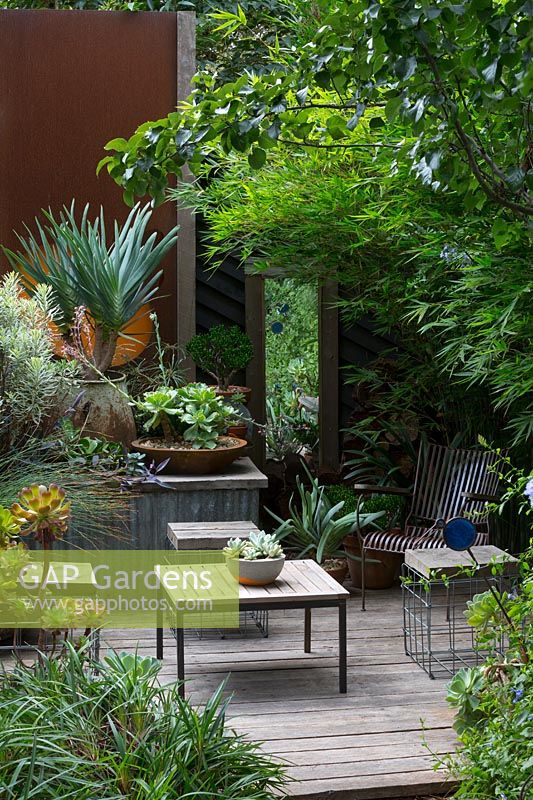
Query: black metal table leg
159	643
180	656
342	648
307	630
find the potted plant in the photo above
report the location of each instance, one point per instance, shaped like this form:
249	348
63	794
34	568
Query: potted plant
238	422
260	558
221	353
98	290
380	568
317	529
192	420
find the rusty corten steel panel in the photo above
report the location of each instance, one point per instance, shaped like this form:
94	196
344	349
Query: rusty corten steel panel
69	82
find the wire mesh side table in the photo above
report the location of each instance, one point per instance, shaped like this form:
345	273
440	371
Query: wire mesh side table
435	593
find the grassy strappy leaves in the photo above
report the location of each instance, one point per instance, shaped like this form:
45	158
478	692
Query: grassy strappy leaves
113	732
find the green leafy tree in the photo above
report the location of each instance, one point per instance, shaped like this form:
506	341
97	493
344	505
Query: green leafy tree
221	352
458	75
404	255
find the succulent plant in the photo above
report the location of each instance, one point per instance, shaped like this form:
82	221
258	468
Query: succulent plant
259	545
161	405
9	526
13	558
199	414
43	511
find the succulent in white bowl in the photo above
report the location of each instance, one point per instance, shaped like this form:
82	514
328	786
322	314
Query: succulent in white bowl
261	558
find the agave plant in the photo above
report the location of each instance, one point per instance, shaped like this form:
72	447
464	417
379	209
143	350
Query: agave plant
112	282
316	526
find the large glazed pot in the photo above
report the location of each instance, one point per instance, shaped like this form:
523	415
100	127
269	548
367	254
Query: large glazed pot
261	571
192	462
103	411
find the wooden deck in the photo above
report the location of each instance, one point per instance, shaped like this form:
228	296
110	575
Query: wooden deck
366	744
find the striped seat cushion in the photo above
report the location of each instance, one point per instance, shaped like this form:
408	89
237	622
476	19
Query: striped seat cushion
412	539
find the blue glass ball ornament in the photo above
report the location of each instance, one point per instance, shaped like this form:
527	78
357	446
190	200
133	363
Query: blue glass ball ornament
459	533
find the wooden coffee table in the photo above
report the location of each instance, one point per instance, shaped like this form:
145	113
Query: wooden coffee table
302	584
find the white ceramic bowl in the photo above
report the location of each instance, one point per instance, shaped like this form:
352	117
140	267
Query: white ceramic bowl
260	572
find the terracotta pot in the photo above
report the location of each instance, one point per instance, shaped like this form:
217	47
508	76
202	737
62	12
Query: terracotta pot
103	412
380	568
238	431
260	572
192	462
339	573
232	390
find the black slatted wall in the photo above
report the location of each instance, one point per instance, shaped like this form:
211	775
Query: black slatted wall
219	293
359	344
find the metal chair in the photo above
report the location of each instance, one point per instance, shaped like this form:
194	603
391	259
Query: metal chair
448	483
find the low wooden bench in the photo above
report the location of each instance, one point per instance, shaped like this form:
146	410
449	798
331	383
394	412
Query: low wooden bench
213	536
207	535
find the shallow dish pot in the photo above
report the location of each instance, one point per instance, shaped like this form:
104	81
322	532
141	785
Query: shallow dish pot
192	462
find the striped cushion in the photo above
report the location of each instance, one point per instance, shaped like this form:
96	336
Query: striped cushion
411	539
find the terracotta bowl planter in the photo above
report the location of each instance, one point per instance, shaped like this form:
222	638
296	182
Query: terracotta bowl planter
193	462
238	431
380	568
232	390
260	572
337	569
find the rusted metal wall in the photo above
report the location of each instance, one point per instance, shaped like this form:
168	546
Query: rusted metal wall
69	82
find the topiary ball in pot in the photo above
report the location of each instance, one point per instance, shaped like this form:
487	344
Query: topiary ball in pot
221	353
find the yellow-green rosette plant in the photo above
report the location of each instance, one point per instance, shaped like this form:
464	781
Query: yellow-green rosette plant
42	511
9	526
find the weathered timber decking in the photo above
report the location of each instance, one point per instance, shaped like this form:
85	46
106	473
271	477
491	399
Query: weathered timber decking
365	744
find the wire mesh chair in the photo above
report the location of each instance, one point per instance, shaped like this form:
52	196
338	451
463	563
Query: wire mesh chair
448	483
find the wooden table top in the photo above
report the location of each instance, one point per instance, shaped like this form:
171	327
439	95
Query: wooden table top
447	561
299	580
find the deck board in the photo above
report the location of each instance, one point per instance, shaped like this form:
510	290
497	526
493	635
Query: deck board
374	742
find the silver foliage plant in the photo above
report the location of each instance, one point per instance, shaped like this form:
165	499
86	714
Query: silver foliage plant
34	385
259	545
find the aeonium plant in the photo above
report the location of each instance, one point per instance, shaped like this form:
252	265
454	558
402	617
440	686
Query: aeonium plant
258	546
43	511
193	415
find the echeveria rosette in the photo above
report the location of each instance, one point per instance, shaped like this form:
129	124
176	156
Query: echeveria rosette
258	545
43	511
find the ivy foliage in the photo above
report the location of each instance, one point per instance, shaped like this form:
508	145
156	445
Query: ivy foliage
458	75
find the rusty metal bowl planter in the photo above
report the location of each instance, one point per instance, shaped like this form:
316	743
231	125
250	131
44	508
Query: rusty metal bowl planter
189	461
